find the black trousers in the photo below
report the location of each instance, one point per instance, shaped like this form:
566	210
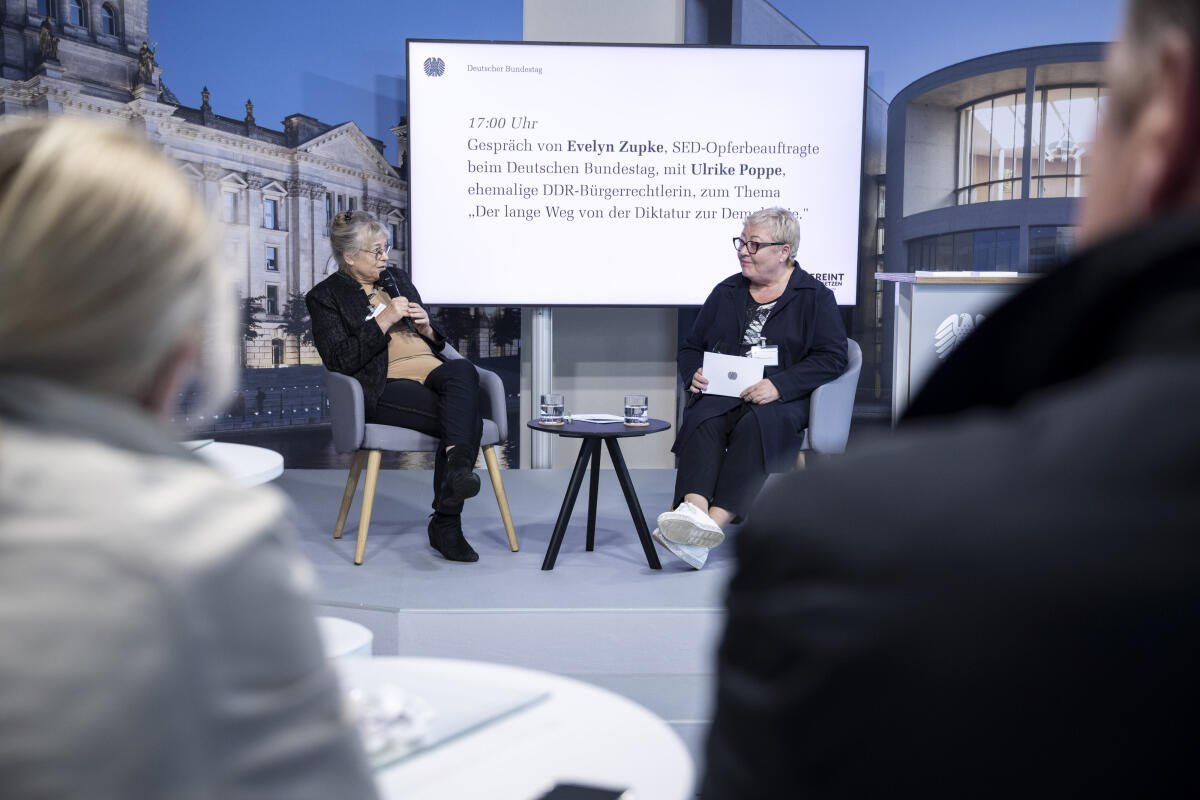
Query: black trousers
445	406
723	462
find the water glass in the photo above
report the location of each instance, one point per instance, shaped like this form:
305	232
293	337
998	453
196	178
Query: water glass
550	409
637	410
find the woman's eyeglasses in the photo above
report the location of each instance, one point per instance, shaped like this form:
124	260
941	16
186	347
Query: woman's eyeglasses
752	247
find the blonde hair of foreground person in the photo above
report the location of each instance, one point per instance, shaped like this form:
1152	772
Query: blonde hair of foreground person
109	280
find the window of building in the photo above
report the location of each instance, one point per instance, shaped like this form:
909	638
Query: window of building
270	210
341	203
353	204
108	20
991	145
75	13
46	9
271	306
229	206
1049	246
981	250
991	136
393	235
1064	131
272	258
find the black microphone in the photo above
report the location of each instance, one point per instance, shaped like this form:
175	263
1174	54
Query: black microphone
389	284
392	288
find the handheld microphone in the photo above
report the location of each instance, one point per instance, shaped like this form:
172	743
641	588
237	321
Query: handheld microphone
389	284
392	288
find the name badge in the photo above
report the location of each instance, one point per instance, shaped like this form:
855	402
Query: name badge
768	355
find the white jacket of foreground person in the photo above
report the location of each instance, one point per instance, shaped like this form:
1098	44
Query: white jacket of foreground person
156	633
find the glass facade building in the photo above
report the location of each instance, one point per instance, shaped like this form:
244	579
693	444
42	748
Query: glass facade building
987	160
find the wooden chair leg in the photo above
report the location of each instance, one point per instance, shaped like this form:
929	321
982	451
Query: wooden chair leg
373	459
356	465
493	468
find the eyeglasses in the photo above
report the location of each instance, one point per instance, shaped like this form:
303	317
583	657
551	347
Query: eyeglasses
752	247
380	253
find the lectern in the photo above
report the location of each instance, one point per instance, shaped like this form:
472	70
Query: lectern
934	312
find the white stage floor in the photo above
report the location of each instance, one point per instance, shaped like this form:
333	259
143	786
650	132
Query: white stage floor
603	617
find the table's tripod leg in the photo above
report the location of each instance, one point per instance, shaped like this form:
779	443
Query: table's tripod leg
594	489
635	508
564	514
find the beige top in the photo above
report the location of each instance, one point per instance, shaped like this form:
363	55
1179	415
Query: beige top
409	355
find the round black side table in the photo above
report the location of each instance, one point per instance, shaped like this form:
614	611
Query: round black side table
592	433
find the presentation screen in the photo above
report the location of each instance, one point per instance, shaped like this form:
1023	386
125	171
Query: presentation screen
617	175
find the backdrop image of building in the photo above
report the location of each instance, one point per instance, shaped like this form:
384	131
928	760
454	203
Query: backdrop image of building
274	190
986	163
976	166
987	160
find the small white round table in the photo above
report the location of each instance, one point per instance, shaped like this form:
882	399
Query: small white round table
246	464
342	638
576	733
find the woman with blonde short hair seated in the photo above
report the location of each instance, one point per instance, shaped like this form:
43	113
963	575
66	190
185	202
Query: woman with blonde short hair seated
774	310
159	639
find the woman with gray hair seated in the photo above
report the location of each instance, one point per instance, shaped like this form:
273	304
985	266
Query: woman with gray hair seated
159	638
368	323
773	310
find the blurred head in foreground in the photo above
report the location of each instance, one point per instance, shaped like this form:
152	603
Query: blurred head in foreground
108	276
1148	145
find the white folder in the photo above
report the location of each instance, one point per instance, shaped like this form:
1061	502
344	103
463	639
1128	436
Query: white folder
730	375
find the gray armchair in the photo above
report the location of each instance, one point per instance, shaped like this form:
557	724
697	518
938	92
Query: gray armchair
830	407
353	434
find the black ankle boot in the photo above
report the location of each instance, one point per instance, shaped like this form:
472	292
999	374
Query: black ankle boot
446	536
460	483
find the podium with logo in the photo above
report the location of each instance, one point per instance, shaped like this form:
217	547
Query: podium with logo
934	312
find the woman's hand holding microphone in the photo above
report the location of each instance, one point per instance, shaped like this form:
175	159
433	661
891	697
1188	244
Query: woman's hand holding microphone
397	309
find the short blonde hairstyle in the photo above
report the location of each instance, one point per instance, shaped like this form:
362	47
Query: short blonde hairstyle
108	263
781	224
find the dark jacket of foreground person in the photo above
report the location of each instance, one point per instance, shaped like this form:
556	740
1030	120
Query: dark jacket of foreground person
1002	599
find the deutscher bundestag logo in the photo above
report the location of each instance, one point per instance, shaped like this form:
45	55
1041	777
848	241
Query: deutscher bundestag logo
952	331
732	375
434	67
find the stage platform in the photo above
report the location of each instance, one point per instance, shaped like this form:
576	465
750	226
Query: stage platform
604	617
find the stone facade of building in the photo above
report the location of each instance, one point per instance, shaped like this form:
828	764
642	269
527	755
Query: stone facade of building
273	190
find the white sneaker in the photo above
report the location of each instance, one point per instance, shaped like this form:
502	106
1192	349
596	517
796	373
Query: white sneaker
689	525
693	555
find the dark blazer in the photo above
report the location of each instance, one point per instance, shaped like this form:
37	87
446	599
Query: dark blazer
807	328
1002	598
348	342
